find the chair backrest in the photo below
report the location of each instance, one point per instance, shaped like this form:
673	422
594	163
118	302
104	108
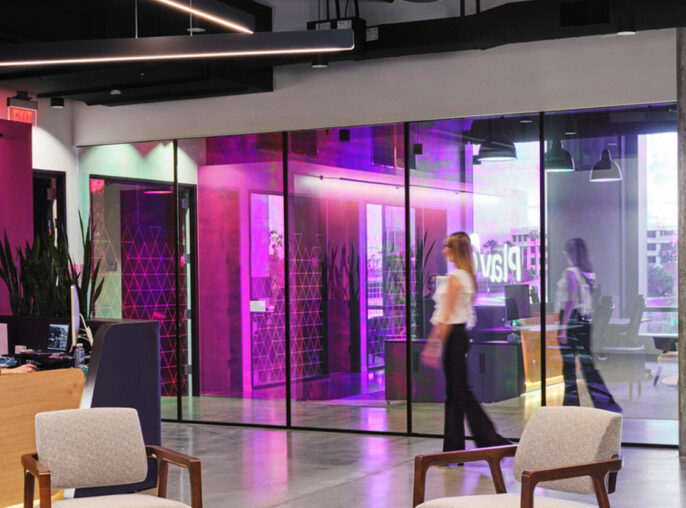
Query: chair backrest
601	318
635	318
91	447
559	436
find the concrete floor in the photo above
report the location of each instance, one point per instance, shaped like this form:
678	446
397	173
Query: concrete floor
297	469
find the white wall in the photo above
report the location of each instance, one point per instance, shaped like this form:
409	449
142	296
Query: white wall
550	75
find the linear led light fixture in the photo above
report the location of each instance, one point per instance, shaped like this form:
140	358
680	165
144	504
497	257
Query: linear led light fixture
176	47
206	15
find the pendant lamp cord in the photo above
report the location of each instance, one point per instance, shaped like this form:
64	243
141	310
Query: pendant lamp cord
190	18
135	18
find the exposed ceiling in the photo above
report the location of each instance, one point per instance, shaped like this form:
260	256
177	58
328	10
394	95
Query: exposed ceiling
456	25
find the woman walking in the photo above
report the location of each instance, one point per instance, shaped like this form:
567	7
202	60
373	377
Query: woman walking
575	305
453	315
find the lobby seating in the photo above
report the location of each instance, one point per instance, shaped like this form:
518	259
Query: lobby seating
84	448
569	449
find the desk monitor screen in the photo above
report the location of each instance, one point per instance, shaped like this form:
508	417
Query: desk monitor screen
517	301
58	337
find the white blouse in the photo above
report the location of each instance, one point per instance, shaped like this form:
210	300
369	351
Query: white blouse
463	312
581	298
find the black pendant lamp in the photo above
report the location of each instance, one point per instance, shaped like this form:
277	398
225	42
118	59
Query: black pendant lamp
606	170
497	147
557	159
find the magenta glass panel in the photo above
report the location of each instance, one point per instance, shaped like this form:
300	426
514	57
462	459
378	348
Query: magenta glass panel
239	371
612	259
347	277
458	182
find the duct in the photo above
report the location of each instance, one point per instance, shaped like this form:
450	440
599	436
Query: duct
519	22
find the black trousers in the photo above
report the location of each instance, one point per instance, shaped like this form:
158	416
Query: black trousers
579	345
460	401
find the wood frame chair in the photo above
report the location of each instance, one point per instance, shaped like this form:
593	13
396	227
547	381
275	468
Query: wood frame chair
34	470
108	450
536	462
597	470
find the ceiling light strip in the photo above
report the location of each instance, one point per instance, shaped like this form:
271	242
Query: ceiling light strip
176	48
206	15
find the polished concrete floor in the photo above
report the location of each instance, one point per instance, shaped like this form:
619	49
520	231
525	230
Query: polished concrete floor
297	469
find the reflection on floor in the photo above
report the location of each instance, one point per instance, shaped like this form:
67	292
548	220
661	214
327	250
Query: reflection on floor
650	412
300	469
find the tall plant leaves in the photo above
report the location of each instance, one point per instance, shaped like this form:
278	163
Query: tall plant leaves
39	282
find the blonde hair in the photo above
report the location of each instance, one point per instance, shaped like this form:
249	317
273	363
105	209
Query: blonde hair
460	247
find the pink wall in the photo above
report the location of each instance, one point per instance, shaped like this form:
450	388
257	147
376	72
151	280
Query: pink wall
16	190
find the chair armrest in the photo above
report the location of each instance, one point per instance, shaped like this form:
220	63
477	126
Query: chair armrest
597	470
165	457
171	456
33	469
493	455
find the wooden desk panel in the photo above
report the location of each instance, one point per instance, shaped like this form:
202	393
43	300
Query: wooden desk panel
22	396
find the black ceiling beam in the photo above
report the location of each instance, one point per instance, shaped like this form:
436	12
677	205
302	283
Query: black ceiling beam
261	12
520	22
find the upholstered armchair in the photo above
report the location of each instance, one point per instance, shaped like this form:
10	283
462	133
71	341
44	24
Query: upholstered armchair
571	449
98	447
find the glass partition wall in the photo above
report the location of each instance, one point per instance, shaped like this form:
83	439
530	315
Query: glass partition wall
303	266
128	192
480	176
611	205
347	274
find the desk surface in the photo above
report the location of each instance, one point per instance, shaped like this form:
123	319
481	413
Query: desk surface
531	328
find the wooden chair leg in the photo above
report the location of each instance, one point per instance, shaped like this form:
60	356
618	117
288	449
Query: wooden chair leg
28	489
419	482
600	492
196	485
44	496
162	475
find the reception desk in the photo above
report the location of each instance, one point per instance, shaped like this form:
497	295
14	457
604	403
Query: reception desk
495	371
22	396
124	371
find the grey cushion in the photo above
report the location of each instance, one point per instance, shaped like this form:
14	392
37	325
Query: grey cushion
560	436
91	447
119	501
499	501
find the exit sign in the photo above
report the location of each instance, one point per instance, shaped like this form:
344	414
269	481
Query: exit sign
16	114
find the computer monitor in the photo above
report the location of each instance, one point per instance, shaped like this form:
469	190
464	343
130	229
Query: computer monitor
517	302
75	313
58	337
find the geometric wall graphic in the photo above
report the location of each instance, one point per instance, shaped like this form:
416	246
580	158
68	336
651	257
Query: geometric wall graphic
148	292
308	344
108	305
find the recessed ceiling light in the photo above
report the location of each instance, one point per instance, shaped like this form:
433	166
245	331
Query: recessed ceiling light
57	102
115	91
526	120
